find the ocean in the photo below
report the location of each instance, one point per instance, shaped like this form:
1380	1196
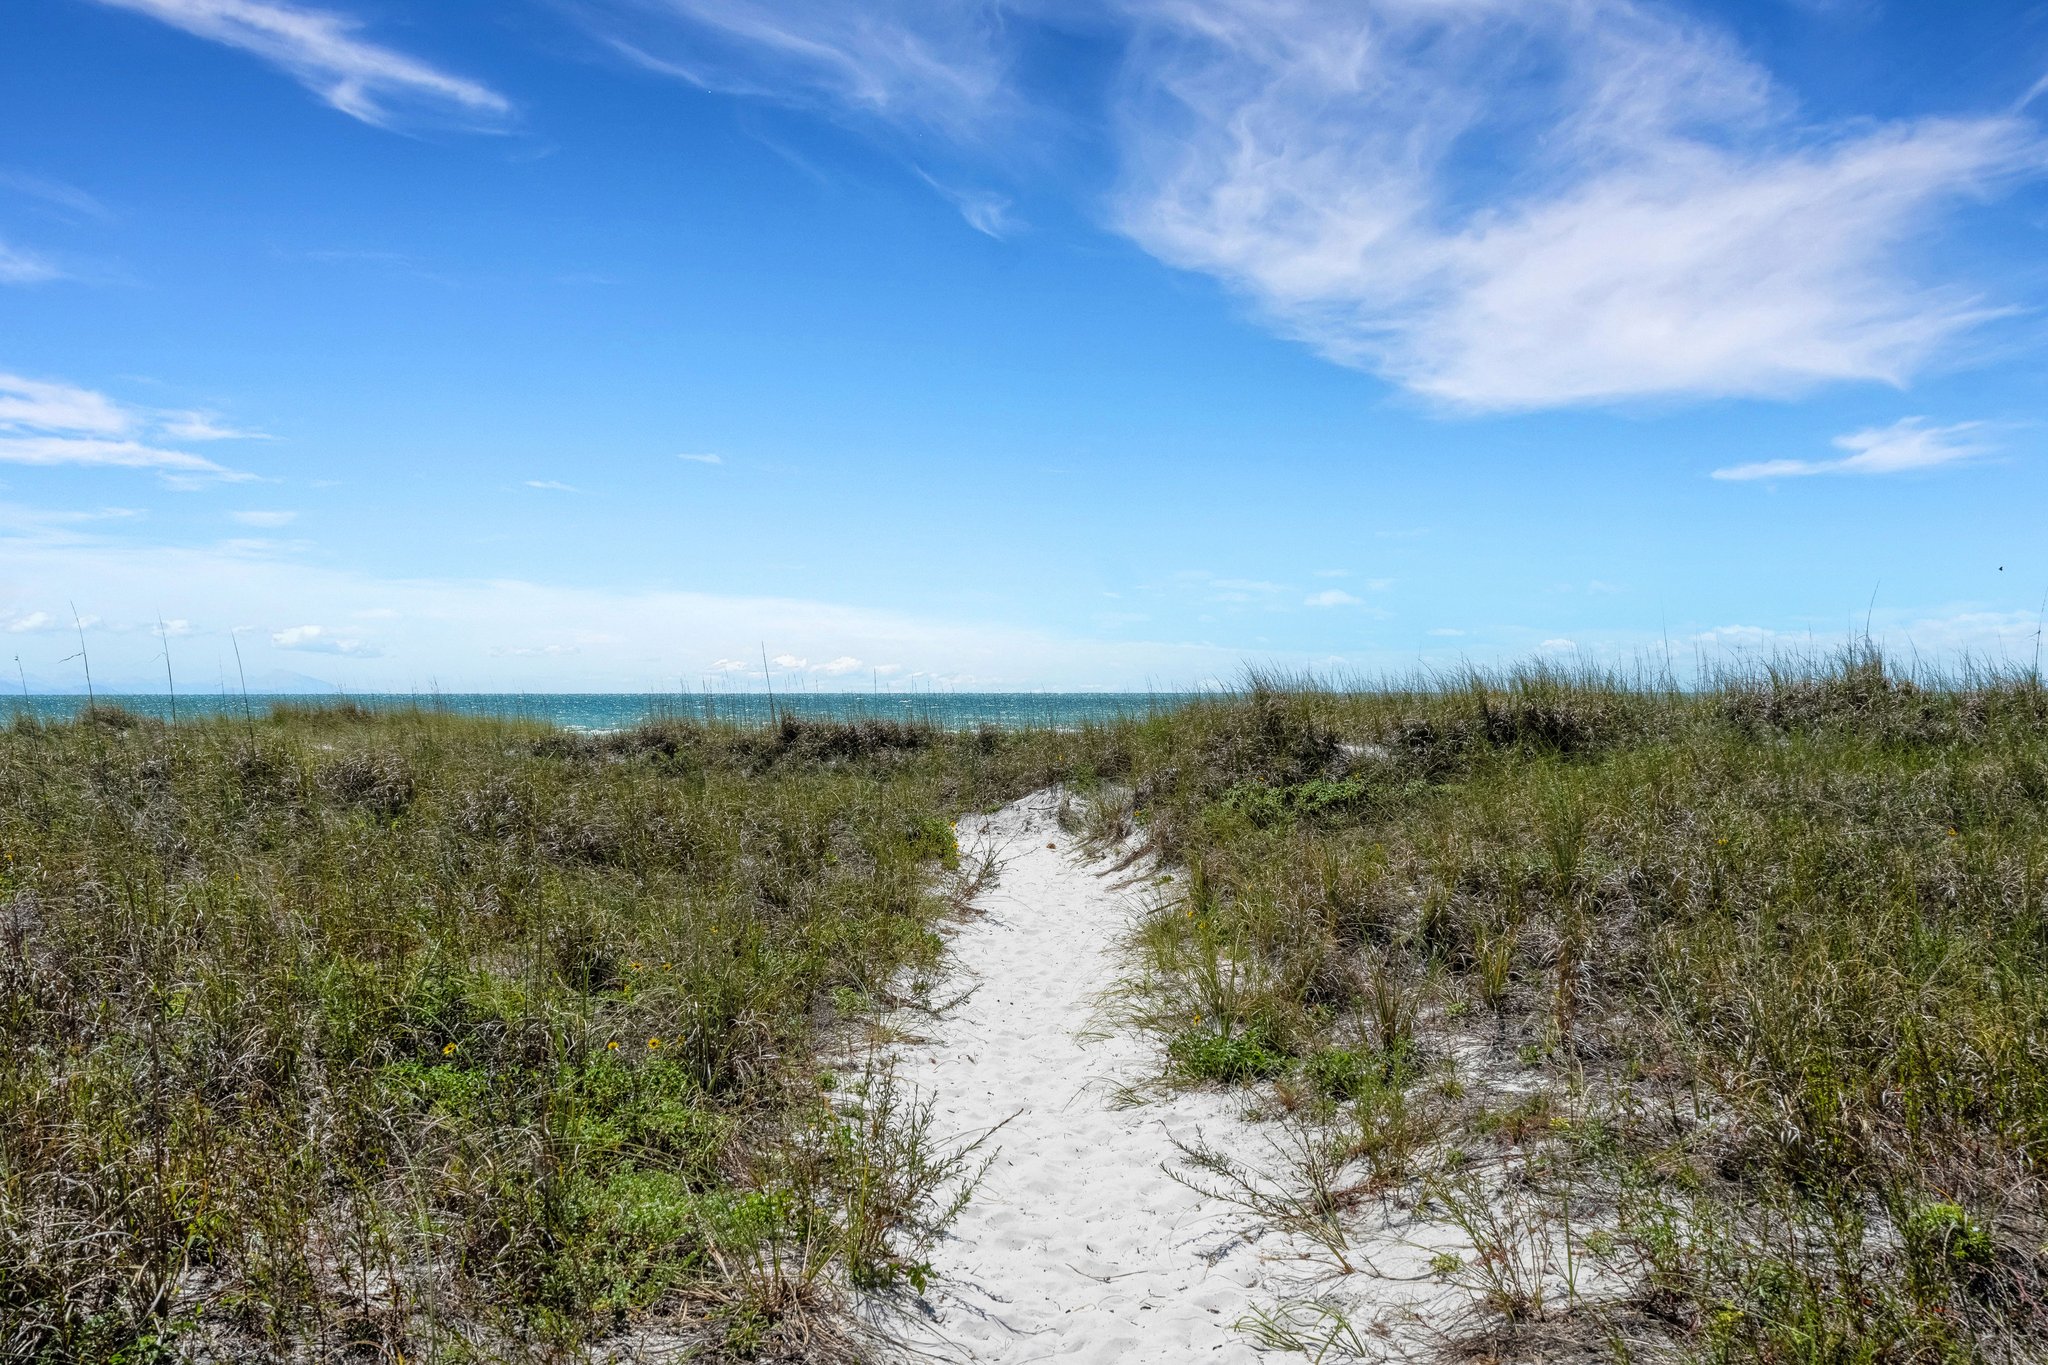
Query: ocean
594	711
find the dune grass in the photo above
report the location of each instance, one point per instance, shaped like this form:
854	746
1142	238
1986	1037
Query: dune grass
332	1034
336	1034
1766	961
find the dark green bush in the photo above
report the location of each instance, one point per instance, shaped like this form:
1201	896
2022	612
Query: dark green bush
1230	1058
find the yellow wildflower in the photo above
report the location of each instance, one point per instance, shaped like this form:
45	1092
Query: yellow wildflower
612	1046
448	1051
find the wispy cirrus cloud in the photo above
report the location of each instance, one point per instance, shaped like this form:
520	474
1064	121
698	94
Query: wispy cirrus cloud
985	211
203	426
48	423
321	49
1495	204
1906	445
938	64
19	266
91	451
55	194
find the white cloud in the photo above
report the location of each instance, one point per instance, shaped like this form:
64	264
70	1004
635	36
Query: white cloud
457	633
1737	636
791	661
25	267
259	547
55	193
59	524
533	651
1918	636
1660	224
701	459
264	518
838	667
42	405
202	426
1497	204
1905	445
988	214
1559	644
446	630
550	485
984	210
44	422
35	620
1231	591
2034	92
82	450
319	640
935	65
1447	632
319	48
1331	597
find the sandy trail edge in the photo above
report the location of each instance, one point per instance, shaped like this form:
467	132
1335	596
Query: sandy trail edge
1078	1245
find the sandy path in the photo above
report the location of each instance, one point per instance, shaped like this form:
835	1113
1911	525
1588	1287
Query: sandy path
1078	1246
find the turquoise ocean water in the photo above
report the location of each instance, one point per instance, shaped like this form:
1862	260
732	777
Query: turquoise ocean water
616	710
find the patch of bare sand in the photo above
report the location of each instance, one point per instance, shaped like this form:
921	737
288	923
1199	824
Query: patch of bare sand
1079	1245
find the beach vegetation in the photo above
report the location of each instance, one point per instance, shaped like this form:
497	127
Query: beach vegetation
1741	979
332	1032
1711	1015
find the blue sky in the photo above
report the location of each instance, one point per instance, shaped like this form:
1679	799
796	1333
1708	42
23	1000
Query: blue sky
592	344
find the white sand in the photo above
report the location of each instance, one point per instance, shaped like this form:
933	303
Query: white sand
1078	1246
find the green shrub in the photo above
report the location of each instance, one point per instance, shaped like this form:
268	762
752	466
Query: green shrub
1347	1073
1944	1247
1264	806
1231	1058
933	838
